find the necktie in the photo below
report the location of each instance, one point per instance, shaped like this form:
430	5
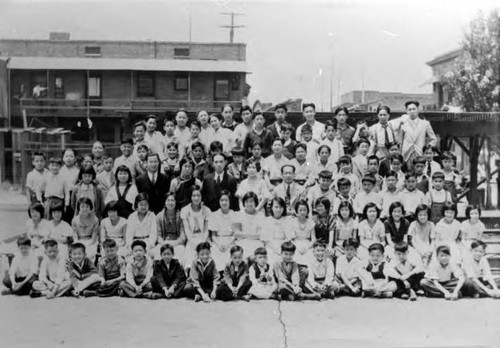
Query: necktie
386	137
153	179
428	169
288	193
218	180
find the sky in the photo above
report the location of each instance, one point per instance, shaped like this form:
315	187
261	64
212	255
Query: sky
309	49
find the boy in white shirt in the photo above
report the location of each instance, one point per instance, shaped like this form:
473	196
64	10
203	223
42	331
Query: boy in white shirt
478	271
321	278
23	270
37	176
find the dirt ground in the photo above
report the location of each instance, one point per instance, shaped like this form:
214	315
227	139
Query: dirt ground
344	322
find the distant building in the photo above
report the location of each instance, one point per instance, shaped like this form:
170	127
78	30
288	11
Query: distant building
370	100
440	66
60	82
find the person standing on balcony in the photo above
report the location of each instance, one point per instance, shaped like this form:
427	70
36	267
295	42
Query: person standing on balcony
346	132
154	138
415	133
245	127
382	134
227	113
318	128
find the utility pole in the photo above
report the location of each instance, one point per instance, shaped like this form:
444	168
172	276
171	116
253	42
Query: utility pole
232	26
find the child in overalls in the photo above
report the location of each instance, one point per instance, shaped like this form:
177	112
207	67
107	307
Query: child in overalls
437	197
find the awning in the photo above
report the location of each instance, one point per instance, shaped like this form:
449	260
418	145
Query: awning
53	63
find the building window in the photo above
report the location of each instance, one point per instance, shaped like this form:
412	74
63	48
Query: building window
181	82
145	84
94	87
181	52
235	82
59	88
222	89
92	50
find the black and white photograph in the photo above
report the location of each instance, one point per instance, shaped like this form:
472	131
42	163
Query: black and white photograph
250	173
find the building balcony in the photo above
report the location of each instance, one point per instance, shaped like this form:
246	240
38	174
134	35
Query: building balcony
111	107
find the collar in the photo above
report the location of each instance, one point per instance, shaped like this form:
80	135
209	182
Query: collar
140	263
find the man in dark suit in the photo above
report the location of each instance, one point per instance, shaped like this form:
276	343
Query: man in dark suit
154	183
217	181
280	114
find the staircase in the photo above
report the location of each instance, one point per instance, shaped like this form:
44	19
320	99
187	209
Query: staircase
491	220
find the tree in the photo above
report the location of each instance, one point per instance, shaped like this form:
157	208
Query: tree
474	81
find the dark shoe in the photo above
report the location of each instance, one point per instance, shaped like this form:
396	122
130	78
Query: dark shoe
89	293
197	298
5	292
387	294
405	296
35	294
152	296
246	297
290	298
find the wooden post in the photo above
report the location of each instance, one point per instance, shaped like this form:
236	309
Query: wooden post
2	157
474	154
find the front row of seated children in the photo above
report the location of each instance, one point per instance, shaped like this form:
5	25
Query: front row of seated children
141	277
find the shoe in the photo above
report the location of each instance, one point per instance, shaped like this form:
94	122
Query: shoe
246	297
405	296
420	292
89	293
413	296
5	292
291	298
476	295
275	296
152	295
197	298
35	294
75	293
121	293
315	297
387	294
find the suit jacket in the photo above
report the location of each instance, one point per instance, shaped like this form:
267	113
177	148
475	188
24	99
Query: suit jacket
164	277
297	192
414	138
211	191
156	193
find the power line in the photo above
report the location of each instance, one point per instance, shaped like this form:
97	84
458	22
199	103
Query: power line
232	26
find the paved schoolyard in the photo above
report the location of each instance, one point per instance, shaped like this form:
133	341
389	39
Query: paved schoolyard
344	322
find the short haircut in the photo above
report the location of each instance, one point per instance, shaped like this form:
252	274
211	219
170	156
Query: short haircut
225	193
369	178
368	206
469	208
38	154
127	141
246	108
373	158
37	206
343	182
397	156
193	189
238	151
141	197
106	156
226	106
109	243
420	208
173	144
153	154
282	141
195	123
280	106
376	246
257	142
55	160
301	203
143	147
87	171
477	244
218	116
383	107
170	120
319	243
443	249
350	243
252	161
85	200
288	246
362	141
308	105
140	243
449	206
414	102
58	206
300	146
203	246
186	160
198	145
447	155
286	127
410	174
338	110
287	165
306	129
348	205
23	241
150	116
260	251
166	246
111	206
76	246
215	146
395	205
401	247
140	124
325	202
235	249
321	147
331	123
250	195
281	203
49	243
346	159
419	160
392	144
257	114
392	173
325	174
124	169
438	175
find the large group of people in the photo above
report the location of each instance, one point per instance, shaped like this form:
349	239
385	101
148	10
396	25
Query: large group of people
215	209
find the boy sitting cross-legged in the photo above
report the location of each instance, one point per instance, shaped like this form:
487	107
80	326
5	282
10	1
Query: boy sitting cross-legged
169	278
53	277
138	274
111	269
261	276
406	274
203	276
376	282
287	273
82	272
235	283
321	279
23	270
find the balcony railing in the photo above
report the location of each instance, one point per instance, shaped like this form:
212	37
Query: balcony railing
111	107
